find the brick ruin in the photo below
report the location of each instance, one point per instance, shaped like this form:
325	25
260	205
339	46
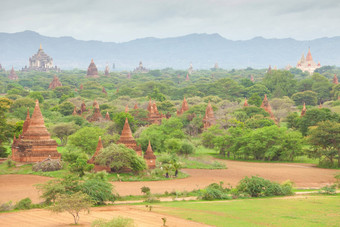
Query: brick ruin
304	109
127	139
107	71
154	117
245	102
55	83
12	75
96	116
184	107
149	157
92	70
35	143
335	79
91	161
209	117
266	106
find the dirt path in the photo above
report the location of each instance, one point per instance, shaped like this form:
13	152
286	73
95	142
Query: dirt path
16	187
142	217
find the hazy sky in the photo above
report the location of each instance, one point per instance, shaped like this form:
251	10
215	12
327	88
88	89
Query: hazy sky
123	20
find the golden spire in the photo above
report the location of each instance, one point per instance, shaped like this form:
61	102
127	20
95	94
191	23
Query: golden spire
40	48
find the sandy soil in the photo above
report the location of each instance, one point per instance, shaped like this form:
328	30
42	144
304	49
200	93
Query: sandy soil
16	187
142	217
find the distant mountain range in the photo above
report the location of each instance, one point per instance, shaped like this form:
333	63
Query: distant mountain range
202	50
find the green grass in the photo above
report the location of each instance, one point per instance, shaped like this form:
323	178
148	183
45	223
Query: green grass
298	211
142	177
27	169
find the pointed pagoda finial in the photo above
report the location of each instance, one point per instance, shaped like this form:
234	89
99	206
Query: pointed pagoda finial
126	108
40	48
304	109
92	60
245	102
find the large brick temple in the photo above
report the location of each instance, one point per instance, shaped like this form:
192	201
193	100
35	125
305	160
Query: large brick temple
35	143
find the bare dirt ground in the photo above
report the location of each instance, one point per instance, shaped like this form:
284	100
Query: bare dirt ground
16	187
142	217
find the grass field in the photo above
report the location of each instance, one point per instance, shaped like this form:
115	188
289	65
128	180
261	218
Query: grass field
292	211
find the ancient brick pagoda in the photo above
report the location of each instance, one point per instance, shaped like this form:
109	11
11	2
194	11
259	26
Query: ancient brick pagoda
209	117
107	71
104	91
154	117
252	78
92	70
12	75
266	106
184	107
135	107
187	78
81	87
75	111
126	108
55	83
92	160
96	116
127	139
335	79
83	107
149	157
107	116
245	102
35	143
304	109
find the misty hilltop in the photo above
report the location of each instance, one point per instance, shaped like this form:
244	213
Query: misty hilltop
202	50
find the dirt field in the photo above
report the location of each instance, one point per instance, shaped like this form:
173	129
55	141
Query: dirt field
141	216
16	187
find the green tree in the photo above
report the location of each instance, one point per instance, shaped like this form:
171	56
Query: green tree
255	99
64	90
118	157
80	166
66	108
36	95
325	139
73	204
280	83
86	139
258	89
120	118
308	97
5	132
63	130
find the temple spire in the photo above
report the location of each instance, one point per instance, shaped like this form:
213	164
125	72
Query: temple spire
150	157
335	79
304	109
245	102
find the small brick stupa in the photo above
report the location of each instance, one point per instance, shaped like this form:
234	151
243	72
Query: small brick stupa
187	78
245	102
81	87
304	109
127	139
335	79
75	111
35	143
104	91
12	75
184	107
252	78
154	117
135	107
266	106
209	117
107	70
83	107
96	116
149	157
92	160
55	83
126	108
92	70
107	116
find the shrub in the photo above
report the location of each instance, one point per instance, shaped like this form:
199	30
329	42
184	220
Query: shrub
186	148
214	191
116	222
9	163
257	187
99	191
329	190
47	165
145	190
23	204
6	206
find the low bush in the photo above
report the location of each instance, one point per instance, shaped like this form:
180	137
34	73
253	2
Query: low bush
116	222
329	190
6	206
47	166
215	191
257	187
9	163
23	204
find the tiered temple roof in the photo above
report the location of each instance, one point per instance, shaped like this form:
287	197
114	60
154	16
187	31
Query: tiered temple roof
304	109
12	75
154	117
307	64
266	106
209	117
127	139
92	70
140	69
184	107
41	62
335	79
150	157
35	143
55	83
